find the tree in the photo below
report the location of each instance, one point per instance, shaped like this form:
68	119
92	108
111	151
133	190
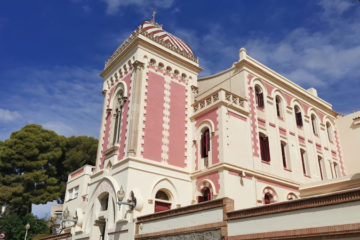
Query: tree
28	171
35	163
78	152
14	226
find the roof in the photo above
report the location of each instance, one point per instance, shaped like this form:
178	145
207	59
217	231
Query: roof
155	32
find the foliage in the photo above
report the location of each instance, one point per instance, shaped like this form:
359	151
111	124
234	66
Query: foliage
78	152
35	163
28	168
14	226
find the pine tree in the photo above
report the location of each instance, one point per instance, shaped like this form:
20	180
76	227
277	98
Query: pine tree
28	170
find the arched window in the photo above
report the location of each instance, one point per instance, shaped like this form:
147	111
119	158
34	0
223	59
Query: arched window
162	201
205	144
104	202
205	195
314	124
278	103
291	196
329	131
118	108
264	147
270	195
259	96
268	198
298	116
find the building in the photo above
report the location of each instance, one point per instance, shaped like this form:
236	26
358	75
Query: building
206	158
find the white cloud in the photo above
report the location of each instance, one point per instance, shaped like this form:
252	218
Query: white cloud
8	116
65	99
144	6
335	6
60	128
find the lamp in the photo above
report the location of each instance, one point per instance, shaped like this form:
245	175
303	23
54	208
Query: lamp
130	202
3	209
27	227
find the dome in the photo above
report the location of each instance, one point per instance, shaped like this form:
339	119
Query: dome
156	31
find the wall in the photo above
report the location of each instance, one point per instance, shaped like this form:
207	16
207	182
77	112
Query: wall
349	136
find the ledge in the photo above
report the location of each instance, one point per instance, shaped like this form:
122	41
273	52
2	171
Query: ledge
222	202
305	203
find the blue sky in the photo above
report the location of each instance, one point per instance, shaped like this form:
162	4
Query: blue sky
51	52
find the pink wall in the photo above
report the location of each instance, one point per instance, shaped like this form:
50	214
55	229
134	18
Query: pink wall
124	120
213	177
211	115
154	117
177	134
106	131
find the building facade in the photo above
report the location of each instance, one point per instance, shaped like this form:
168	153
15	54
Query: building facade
171	143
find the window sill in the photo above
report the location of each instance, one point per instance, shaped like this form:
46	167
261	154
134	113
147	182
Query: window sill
307	176
265	162
300	127
260	108
280	118
286	169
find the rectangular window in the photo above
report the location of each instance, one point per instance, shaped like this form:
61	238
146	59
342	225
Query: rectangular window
76	192
321	168
299	119
283	154
205	143
336	170
304	162
70	194
264	148
260	99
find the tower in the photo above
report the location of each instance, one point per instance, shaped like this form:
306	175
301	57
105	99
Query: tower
143	150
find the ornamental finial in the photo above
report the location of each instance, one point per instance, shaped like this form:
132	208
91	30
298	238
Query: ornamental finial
153	17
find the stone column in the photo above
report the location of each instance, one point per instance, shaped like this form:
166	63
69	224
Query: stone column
135	108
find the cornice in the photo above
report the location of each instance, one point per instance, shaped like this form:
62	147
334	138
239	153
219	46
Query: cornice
217	203
293	88
249	172
135	35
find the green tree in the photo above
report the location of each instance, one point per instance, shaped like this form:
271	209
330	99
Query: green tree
14	226
35	163
28	171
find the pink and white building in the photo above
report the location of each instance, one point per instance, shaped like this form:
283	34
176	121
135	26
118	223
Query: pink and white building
198	148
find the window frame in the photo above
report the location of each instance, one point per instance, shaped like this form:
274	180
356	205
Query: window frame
279	107
298	116
314	124
259	97
162	204
304	162
264	147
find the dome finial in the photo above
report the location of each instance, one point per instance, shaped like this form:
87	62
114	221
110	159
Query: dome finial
153	17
